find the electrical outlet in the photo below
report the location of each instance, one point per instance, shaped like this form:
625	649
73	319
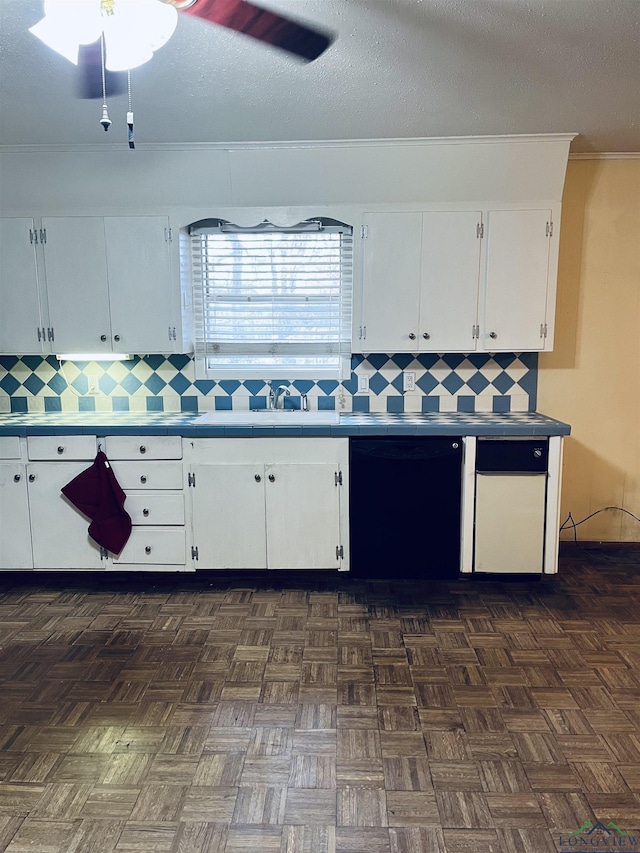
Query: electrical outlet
363	384
408	380
92	384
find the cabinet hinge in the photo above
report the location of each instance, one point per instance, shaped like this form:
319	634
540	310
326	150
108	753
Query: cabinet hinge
480	230
104	554
364	232
191	479
33	236
338	478
475	331
194	552
167	235
339	552
43	235
549	229
50	334
543	330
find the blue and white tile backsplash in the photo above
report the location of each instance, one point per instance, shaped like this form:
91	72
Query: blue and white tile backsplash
504	382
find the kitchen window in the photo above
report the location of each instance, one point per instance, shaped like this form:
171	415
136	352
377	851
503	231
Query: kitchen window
270	300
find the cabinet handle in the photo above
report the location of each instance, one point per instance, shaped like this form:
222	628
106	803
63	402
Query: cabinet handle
412	336
60	449
16	478
32	477
147	549
143	478
272	479
116	338
258	478
143	449
426	335
145	512
493	335
103	338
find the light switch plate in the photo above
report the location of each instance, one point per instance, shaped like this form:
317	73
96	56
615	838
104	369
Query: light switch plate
363	383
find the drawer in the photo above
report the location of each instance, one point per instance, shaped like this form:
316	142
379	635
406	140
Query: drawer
144	447
74	447
148	475
9	447
152	508
154	545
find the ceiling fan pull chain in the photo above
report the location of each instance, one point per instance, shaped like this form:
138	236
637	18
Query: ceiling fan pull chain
105	121
130	112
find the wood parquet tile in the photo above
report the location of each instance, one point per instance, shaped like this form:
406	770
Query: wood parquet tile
234	714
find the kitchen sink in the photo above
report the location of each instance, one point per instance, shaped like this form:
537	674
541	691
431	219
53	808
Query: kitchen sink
268	417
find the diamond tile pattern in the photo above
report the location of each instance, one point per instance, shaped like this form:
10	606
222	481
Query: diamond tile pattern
454	382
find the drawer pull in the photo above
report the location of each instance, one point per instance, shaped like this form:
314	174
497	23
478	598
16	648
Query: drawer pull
143	449
272	479
32	477
412	336
143	478
147	549
257	478
116	338
60	449
145	512
16	478
426	335
103	338
493	335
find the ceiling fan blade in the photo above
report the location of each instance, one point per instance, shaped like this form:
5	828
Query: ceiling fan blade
261	24
89	79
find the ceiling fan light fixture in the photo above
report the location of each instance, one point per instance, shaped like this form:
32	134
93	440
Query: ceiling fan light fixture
133	29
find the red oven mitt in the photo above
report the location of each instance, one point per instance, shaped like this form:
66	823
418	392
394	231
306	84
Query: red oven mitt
97	494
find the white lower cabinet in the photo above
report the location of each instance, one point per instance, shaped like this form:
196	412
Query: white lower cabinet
59	532
15	526
149	469
268	503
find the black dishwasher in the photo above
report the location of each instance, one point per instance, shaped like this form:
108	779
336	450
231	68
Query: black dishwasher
405	506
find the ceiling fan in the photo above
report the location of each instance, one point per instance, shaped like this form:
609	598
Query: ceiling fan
96	34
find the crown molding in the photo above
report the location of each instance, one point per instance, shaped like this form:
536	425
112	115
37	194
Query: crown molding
606	155
80	148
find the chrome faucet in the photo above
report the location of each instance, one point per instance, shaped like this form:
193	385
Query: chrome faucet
278	395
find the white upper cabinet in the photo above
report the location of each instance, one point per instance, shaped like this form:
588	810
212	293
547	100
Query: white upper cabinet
109	284
77	288
87	284
449	280
392	261
22	325
514	310
140	285
457	281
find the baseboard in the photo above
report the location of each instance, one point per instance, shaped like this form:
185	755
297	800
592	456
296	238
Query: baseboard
569	547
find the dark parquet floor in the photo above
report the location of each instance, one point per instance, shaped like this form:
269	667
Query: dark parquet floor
273	714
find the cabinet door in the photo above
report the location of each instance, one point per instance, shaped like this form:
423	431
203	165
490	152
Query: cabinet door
76	271
515	294
391	282
15	533
59	533
21	324
228	515
450	276
303	516
140	284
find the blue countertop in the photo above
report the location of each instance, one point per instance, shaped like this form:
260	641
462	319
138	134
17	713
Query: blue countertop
351	424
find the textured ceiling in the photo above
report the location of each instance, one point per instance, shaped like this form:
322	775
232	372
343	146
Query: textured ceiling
398	68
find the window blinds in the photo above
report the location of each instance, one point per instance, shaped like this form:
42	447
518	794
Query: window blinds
267	290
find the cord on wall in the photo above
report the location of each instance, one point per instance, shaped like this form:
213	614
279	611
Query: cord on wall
570	521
